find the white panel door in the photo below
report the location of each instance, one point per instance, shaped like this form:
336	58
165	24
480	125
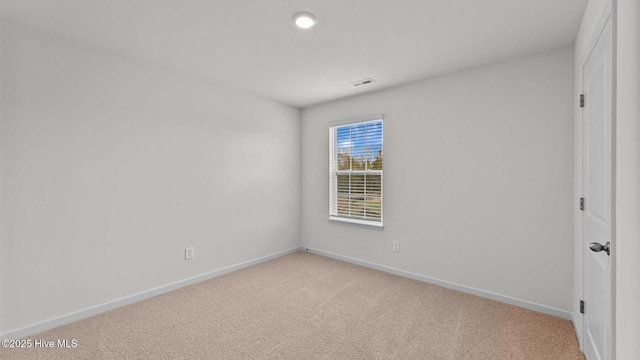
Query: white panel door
596	180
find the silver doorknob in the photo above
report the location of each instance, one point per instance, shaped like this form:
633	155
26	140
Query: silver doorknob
597	247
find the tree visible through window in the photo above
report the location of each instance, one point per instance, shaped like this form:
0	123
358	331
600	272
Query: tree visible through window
355	171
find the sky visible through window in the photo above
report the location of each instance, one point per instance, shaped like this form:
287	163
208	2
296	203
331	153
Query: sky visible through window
362	143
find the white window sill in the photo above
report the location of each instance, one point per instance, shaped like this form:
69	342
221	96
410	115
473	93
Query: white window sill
356	221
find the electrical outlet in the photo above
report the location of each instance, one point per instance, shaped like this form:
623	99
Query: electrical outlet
396	246
189	253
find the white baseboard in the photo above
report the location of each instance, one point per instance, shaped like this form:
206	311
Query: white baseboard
577	330
51	323
530	305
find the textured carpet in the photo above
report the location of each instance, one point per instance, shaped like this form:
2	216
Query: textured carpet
304	306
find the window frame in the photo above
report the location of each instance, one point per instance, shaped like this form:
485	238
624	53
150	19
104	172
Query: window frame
334	172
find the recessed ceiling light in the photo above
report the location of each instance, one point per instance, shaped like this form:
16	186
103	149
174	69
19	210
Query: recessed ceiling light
304	20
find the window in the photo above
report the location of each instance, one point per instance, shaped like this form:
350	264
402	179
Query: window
355	172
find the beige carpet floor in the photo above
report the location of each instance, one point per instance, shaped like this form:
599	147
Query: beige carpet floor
304	306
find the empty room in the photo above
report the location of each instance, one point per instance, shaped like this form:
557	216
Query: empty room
315	179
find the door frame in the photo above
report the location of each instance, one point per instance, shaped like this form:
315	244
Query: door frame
609	13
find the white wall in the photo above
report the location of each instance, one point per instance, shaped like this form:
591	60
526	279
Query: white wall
478	178
111	167
628	180
0	178
592	15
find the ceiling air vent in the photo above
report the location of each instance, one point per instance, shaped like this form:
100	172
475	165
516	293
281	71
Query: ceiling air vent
368	81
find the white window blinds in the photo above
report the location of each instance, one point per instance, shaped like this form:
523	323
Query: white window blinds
355	172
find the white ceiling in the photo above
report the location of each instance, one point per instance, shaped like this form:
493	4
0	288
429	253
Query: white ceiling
253	45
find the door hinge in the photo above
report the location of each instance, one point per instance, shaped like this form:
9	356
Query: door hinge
581	307
581	100
582	204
